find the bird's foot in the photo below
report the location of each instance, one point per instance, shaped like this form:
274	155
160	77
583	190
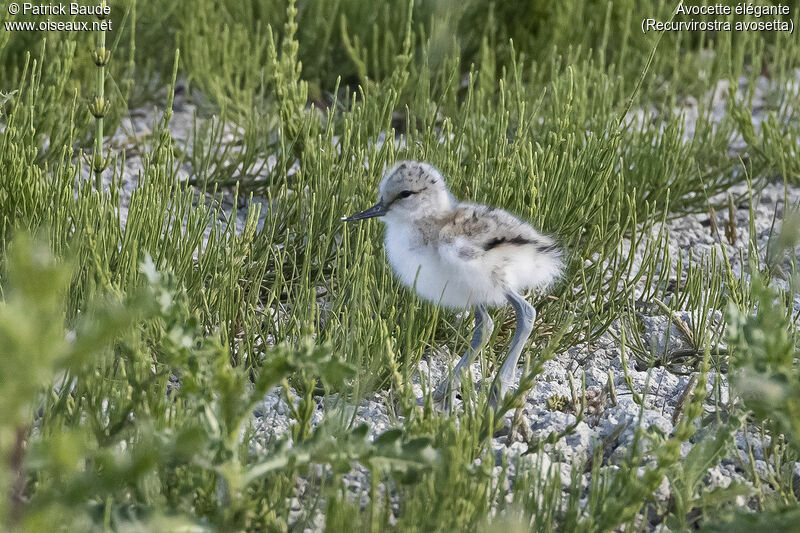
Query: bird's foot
445	394
514	429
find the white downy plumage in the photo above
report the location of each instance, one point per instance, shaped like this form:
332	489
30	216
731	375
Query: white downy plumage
461	255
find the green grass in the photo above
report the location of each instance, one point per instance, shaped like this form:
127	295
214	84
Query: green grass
525	107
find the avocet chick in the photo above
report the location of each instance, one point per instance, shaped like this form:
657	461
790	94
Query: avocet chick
463	255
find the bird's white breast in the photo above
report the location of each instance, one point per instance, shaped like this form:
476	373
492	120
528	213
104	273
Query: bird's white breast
420	266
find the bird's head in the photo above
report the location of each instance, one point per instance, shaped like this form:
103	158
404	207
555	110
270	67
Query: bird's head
409	190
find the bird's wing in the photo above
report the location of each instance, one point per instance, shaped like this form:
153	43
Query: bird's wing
491	249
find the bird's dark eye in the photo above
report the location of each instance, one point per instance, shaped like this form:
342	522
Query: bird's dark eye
406	194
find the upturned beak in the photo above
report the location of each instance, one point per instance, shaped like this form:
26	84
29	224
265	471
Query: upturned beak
377	210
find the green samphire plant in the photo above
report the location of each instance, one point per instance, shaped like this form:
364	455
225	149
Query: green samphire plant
100	104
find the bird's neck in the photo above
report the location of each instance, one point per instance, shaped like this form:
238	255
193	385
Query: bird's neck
433	217
420	227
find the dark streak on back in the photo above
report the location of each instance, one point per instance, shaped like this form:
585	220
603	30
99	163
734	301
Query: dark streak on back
497	241
546	248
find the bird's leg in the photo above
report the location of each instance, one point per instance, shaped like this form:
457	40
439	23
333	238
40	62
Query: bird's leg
526	315
483	330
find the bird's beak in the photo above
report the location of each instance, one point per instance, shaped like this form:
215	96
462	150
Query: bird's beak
377	210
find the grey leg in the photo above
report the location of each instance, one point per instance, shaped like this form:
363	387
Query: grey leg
526	315
483	330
